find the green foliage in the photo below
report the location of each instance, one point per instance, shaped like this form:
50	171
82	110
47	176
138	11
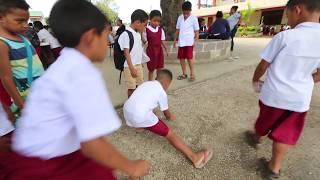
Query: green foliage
111	14
246	14
46	20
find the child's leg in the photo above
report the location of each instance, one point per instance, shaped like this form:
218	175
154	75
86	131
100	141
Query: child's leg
198	159
183	66
150	75
279	151
191	66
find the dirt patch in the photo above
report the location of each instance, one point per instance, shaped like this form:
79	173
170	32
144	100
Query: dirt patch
215	114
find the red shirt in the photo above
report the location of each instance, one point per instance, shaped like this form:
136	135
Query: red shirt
4	96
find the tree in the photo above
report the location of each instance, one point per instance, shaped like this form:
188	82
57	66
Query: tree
246	14
171	9
104	6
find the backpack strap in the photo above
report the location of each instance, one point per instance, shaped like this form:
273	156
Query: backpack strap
29	60
131	38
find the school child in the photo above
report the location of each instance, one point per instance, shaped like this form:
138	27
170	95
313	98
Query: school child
19	62
155	38
68	112
234	20
292	61
187	35
133	71
46	37
138	113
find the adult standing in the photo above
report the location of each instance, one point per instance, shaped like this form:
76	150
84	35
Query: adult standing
234	20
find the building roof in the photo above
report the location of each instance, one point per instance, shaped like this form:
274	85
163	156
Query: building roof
255	4
36	14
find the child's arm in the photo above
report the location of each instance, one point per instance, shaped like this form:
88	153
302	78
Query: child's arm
176	35
196	38
6	76
133	71
105	154
169	115
164	47
316	76
260	71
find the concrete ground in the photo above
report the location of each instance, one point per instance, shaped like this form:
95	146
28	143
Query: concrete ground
214	112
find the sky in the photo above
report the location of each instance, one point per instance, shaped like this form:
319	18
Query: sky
124	7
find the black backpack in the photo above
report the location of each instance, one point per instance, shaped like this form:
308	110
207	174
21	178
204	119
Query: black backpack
118	54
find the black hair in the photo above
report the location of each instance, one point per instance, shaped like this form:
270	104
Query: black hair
30	24
235	8
219	14
139	15
164	73
311	5
119	20
70	19
187	6
7	5
155	13
38	25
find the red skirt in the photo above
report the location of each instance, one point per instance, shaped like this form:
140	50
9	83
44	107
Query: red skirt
280	125
72	166
155	53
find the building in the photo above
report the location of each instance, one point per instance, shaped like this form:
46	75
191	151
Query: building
270	12
36	16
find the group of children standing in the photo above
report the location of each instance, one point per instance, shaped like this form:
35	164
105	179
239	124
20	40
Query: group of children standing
60	134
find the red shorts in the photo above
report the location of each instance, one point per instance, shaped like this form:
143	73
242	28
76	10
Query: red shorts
72	166
160	128
185	52
280	125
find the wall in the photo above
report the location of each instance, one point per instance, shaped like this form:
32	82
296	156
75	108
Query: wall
205	51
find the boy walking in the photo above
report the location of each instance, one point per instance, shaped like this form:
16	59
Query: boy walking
65	139
187	35
138	113
133	71
292	60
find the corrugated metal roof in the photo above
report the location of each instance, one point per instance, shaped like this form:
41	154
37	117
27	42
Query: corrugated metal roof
255	4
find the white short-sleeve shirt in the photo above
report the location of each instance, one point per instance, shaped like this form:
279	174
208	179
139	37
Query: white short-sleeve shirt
138	110
5	125
234	20
68	105
46	37
187	28
293	56
137	49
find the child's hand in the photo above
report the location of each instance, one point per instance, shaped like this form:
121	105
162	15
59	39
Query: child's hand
173	117
257	85
134	72
141	168
175	44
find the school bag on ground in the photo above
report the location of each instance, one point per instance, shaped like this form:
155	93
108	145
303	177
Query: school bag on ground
118	54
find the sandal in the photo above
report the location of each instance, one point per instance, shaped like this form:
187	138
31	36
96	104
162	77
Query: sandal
266	172
207	155
182	77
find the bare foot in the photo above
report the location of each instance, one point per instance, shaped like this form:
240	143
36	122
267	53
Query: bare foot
202	158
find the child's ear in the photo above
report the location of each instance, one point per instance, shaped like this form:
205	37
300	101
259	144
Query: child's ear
88	37
298	9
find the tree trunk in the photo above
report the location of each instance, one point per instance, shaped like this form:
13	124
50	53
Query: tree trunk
171	9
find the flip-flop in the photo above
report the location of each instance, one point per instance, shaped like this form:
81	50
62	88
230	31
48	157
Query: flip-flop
182	77
266	172
207	155
192	78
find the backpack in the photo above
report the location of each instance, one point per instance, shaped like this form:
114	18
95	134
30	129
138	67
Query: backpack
118	54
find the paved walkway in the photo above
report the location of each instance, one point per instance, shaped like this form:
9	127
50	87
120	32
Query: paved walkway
247	49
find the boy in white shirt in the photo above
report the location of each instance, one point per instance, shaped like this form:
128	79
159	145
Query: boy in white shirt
46	37
138	113
187	35
292	60
133	71
234	19
65	139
